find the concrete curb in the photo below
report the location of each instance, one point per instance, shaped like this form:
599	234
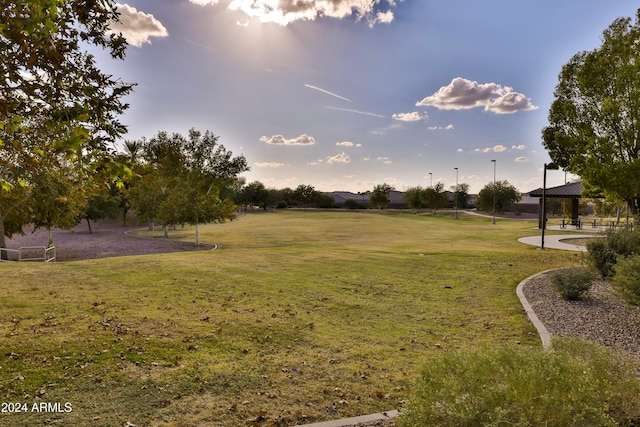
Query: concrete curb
542	330
345	422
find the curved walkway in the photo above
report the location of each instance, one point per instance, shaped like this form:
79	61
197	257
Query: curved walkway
555	241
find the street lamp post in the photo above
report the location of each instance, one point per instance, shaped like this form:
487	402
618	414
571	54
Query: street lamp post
549	166
431	178
494	191
455	195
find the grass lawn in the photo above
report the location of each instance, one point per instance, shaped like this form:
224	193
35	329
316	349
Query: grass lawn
299	316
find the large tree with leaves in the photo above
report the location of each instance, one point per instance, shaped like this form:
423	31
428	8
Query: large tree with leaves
183	177
500	195
594	121
381	196
58	111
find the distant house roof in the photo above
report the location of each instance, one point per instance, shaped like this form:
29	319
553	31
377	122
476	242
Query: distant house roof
341	196
568	191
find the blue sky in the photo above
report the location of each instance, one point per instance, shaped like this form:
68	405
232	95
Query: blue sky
348	94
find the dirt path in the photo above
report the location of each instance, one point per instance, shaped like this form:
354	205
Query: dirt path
108	239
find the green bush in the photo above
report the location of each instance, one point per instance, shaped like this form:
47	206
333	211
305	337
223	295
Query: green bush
576	384
626	281
604	252
351	204
601	257
572	283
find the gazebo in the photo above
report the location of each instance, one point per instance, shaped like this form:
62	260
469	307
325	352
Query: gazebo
571	191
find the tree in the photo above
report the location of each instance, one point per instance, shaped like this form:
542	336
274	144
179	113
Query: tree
379	199
414	196
105	204
460	195
594	121
254	194
435	197
505	195
304	195
58	110
183	178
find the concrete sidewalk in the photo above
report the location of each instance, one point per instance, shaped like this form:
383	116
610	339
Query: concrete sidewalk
555	241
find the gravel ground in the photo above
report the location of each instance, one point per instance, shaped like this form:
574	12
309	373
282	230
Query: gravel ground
107	239
601	317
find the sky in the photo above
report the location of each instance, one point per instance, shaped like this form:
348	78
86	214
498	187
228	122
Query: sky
344	95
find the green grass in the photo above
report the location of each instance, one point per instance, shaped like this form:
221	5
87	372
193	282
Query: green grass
299	316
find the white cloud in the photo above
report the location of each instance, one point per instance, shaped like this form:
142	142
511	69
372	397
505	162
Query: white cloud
448	127
383	18
327	92
303	139
269	164
463	94
283	12
339	158
345	144
521	159
495	149
460	150
137	27
408	117
204	2
518	147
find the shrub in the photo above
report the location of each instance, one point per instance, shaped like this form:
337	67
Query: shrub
601	257
603	253
351	204
572	283
577	384
626	281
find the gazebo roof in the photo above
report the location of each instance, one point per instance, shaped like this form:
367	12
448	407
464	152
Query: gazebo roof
568	191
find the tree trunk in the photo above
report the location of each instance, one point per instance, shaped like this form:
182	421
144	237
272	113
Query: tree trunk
197	235
166	231
89	225
3	243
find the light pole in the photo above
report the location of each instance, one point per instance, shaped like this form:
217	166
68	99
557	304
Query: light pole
494	191
431	178
549	166
455	195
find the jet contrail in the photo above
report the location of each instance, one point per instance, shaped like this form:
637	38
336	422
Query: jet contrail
327	92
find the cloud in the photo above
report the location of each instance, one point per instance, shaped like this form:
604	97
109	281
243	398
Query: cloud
348	110
521	159
409	117
327	92
137	26
348	144
383	18
269	164
339	158
448	127
499	148
518	147
303	139
385	160
283	12
463	94
203	2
